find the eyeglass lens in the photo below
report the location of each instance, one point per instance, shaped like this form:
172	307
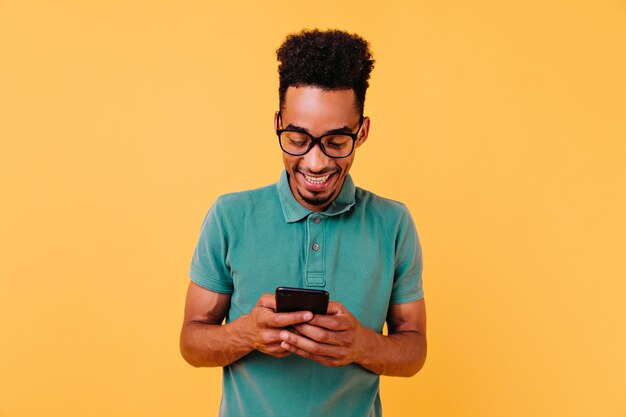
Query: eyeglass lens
299	143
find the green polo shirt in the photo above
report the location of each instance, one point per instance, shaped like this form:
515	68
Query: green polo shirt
363	250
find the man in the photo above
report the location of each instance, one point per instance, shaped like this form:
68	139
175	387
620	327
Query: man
313	229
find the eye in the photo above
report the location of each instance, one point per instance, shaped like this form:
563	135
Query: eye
337	141
294	142
296	139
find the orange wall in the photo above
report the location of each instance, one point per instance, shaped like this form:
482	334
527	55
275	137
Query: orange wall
502	125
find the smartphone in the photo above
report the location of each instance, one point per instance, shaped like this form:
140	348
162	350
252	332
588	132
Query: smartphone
301	299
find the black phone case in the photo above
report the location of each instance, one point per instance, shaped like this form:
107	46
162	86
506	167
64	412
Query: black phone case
301	299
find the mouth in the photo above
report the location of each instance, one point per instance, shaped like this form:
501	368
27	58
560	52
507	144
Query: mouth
317	183
316	180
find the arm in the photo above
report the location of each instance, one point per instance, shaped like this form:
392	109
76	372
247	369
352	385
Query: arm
403	351
205	341
338	339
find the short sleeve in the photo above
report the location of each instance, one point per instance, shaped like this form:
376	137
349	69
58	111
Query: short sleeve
209	265
407	284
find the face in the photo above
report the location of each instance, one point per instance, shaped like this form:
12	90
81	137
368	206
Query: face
314	178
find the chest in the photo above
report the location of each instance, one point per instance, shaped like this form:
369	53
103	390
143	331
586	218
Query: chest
351	259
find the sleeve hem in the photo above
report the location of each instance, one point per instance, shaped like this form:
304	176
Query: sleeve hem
208	283
407	298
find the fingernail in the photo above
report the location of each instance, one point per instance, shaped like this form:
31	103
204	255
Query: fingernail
308	315
284	335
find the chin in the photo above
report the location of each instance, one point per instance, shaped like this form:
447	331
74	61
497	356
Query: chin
315	200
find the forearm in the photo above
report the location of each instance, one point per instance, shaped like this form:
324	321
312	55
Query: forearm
399	354
210	345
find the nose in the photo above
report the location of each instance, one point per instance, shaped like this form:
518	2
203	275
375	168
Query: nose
315	160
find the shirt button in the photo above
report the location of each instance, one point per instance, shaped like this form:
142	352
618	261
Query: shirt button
316	247
317	220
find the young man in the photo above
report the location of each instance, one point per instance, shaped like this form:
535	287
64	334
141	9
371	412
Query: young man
313	229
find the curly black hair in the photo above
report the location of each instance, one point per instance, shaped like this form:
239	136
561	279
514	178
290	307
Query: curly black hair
331	60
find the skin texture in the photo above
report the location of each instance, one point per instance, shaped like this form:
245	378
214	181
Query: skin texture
334	339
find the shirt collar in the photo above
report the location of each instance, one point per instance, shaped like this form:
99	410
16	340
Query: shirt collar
294	211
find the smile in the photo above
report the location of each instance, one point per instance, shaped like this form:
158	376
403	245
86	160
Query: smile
316	180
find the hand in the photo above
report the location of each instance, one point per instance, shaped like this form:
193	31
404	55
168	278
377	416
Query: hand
335	339
264	326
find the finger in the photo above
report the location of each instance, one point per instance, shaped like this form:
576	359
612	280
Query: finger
316	333
334	323
335	307
329	337
288	319
324	360
276	350
267	300
309	345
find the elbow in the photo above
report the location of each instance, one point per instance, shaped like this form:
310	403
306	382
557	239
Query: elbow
197	357
190	360
189	354
413	370
417	363
194	360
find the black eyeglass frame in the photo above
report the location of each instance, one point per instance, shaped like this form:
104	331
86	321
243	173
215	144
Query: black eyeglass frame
318	140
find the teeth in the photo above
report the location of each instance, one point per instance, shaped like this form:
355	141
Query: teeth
317	180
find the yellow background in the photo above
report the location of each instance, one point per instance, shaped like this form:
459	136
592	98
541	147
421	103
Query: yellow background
500	123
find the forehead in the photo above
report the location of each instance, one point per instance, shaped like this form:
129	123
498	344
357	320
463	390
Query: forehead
315	108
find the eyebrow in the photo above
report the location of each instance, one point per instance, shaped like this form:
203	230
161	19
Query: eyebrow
344	129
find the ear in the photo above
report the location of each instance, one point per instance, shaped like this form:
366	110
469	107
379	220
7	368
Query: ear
364	132
276	120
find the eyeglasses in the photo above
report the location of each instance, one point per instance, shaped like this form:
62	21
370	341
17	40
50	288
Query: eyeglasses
334	145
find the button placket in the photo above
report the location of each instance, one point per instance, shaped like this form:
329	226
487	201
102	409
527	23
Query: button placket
315	268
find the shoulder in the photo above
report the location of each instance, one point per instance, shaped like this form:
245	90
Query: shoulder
391	216
241	198
236	206
374	204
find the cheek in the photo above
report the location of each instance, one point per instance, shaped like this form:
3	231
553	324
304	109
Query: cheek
288	162
345	167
